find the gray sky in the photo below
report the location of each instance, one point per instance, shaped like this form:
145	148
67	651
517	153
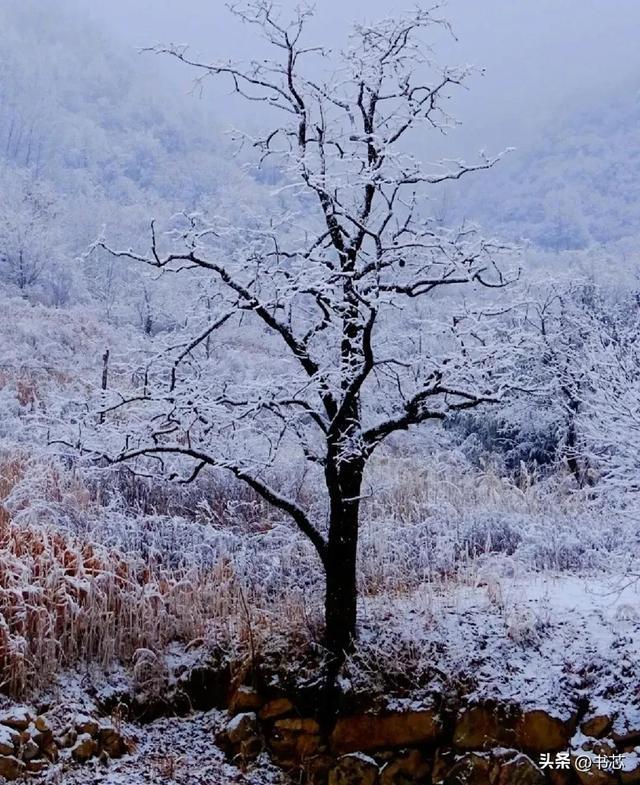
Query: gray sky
540	56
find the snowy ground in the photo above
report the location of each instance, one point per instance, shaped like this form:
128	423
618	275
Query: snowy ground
535	639
172	751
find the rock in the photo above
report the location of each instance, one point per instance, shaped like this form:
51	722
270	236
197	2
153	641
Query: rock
30	750
112	742
630	775
442	764
242	727
405	769
602	747
278	707
50	751
366	732
241	736
42	724
11	768
294	740
539	731
597	725
354	769
596	776
297	725
560	777
593	749
17	717
9	740
487	725
84	749
244	699
45	741
67	739
36	766
520	770
625	732
473	768
316	770
85	724
42	738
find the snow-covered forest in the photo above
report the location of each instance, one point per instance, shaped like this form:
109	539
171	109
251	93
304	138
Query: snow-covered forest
318	456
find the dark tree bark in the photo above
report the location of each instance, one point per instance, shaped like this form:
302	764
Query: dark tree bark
341	587
344	484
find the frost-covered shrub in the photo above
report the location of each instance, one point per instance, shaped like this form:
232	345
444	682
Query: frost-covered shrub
530	437
64	600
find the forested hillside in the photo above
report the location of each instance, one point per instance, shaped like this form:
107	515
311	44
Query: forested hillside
91	138
574	185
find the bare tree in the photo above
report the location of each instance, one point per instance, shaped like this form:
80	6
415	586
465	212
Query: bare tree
607	319
27	217
557	322
343	287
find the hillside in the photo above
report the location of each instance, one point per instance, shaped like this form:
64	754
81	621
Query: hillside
91	138
577	183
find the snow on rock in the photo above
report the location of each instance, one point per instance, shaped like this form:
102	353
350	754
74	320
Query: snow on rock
84	748
173	751
17	717
353	768
9	739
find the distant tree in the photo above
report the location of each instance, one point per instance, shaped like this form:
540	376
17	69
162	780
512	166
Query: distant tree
557	318
608	417
344	287
584	370
27	242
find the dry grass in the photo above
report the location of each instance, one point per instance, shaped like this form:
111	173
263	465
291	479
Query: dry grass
11	473
66	600
63	601
436	521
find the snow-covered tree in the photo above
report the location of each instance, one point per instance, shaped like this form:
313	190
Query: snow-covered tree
345	287
609	414
585	324
27	229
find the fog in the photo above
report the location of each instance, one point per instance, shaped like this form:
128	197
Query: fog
541	57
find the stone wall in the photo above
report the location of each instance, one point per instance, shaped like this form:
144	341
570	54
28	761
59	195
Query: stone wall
445	740
471	744
30	742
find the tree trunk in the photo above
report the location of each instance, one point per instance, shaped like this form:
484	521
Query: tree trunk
341	591
341	594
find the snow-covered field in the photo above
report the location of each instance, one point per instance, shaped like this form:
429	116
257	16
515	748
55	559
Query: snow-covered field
539	641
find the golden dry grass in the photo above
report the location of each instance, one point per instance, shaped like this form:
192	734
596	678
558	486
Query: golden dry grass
64	600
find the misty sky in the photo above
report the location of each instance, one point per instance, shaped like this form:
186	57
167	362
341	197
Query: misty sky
540	56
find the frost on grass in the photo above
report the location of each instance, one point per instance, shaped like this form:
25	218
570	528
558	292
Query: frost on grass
536	640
